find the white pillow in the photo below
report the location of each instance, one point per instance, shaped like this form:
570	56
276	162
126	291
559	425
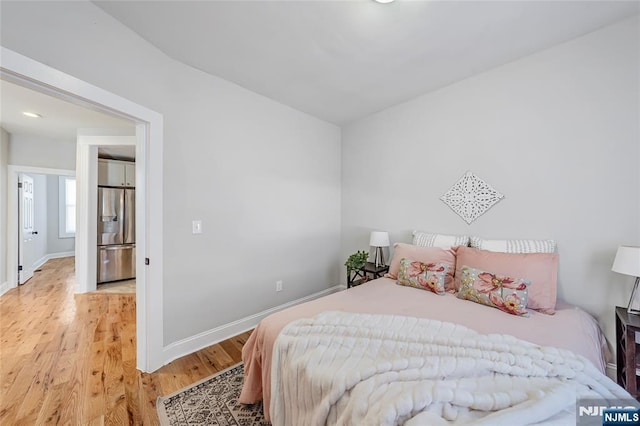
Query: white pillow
514	246
426	239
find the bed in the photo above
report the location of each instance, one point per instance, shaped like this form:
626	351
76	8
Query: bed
569	328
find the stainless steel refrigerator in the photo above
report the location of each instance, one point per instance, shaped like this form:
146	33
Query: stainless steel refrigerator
116	234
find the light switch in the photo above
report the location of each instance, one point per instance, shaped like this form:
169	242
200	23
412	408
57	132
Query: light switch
196	226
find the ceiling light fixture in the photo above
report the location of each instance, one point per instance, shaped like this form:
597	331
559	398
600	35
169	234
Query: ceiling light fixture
383	1
32	114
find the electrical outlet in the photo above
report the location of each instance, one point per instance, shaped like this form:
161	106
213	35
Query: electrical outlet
278	285
196	227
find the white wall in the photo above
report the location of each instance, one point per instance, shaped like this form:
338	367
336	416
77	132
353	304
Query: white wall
55	244
34	151
264	178
556	132
4	156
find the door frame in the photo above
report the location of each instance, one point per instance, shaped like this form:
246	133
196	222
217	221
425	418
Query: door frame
34	75
87	192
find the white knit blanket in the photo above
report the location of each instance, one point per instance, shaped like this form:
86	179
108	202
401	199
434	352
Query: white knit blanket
343	368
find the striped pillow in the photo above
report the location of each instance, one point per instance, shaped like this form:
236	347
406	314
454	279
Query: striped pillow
426	239
514	246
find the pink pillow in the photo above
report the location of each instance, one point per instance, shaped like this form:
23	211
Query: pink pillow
424	255
539	268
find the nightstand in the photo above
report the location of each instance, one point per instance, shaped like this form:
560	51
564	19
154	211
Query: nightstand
368	272
627	354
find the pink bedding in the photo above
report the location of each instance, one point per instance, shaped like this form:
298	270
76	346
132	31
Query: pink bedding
570	328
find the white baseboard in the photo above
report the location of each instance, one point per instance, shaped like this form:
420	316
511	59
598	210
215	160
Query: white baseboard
44	259
215	335
61	254
28	272
39	263
4	287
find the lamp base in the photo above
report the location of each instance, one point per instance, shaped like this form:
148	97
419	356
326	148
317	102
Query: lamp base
379	259
631	308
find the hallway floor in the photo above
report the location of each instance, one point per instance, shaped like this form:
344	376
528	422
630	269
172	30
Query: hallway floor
71	359
120	287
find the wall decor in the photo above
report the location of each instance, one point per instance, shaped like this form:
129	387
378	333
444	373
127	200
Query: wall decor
470	197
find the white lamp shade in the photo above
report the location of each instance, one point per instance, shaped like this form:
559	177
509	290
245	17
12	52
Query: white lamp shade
627	261
379	239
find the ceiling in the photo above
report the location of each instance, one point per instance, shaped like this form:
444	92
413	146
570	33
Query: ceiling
343	60
60	119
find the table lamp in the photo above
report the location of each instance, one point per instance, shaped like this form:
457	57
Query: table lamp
627	262
378	240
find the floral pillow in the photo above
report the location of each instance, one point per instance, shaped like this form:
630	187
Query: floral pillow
505	293
426	276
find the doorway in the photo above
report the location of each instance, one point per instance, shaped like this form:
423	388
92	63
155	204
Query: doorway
24	231
46	217
40	77
116	218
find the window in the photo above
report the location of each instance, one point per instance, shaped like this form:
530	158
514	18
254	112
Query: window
67	207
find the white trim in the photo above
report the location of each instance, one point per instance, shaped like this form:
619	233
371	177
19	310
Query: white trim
44	259
149	132
149	240
47	257
4	287
60	254
38	263
43	170
86	229
210	337
30	271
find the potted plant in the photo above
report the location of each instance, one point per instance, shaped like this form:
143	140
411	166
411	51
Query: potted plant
356	261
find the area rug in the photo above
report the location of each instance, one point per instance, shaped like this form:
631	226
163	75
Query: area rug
212	401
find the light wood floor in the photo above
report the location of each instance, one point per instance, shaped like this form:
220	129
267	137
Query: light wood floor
70	359
120	287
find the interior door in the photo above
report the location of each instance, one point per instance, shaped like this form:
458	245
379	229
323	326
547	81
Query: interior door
28	234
